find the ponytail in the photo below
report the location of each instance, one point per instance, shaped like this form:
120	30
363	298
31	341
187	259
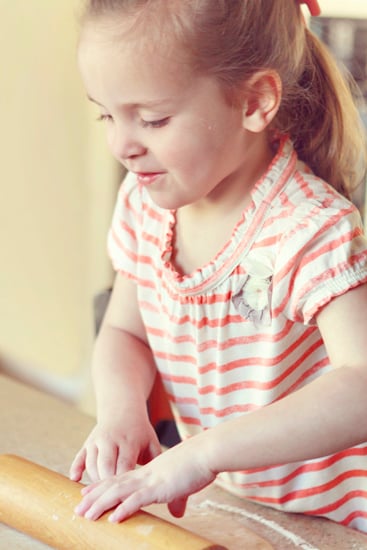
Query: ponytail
323	122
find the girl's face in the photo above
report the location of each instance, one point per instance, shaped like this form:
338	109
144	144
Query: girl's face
175	130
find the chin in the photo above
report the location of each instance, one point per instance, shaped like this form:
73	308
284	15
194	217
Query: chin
167	201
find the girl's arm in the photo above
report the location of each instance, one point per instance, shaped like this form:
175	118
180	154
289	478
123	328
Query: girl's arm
330	413
123	374
324	417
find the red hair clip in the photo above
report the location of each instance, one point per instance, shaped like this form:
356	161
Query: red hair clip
312	5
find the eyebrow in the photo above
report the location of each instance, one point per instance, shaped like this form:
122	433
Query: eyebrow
94	100
152	103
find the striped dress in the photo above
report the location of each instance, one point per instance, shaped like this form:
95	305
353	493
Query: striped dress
240	332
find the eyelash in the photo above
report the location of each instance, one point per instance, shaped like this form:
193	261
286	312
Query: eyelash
155	123
103	118
145	123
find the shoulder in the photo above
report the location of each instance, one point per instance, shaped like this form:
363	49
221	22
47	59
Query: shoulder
319	221
323	251
129	193
134	201
310	204
296	198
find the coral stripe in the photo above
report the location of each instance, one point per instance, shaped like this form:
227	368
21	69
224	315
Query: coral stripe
311	491
152	212
352	516
150	239
312	466
179	379
128	230
265	362
230	343
340	502
293	260
130	253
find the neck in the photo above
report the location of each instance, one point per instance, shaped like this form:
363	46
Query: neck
233	194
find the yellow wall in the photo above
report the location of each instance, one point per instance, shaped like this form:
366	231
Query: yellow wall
57	189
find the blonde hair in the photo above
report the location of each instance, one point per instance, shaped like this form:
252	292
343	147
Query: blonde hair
233	39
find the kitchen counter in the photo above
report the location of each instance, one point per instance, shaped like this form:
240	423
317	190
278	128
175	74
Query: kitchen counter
45	430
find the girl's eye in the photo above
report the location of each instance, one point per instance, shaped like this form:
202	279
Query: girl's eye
103	117
155	123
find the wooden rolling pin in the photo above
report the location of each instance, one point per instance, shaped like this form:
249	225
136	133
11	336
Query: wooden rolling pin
41	503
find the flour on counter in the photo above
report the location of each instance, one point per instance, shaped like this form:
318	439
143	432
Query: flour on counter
299	542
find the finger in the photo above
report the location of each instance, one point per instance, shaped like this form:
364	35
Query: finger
91	493
106	460
130	505
177	507
78	466
91	463
125	462
89	488
101	500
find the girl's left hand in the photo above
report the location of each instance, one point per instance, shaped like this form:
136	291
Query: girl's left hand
170	478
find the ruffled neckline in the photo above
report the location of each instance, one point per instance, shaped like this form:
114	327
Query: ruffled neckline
249	224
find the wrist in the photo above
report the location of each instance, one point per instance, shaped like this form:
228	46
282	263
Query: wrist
121	409
208	450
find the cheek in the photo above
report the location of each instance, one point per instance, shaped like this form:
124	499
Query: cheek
191	150
172	153
195	148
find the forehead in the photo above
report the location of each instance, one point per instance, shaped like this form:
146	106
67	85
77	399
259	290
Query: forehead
114	52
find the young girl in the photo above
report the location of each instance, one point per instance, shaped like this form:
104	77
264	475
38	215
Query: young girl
241	266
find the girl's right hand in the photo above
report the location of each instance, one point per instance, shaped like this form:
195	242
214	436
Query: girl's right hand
114	448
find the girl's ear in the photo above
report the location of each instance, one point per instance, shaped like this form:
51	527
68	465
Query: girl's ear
263	97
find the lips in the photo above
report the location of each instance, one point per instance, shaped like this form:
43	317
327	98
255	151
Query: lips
147	178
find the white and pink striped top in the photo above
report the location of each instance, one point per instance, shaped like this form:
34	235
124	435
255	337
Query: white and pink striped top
240	332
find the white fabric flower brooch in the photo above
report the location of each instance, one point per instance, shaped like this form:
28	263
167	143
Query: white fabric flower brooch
252	298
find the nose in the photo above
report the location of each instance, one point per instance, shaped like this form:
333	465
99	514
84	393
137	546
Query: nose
125	144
